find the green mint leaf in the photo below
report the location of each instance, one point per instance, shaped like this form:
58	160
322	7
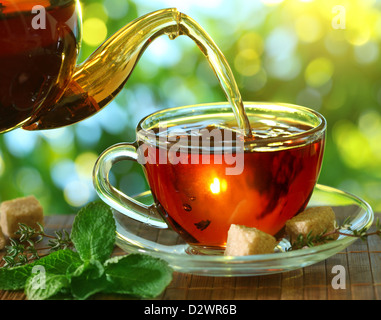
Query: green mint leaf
45	286
137	275
93	232
88	279
55	263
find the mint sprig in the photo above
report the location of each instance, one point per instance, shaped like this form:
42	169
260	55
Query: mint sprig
55	263
88	269
93	232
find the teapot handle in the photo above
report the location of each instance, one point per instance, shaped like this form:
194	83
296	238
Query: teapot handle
115	198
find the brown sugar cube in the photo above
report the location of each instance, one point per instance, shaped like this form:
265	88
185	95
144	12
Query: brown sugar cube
315	220
243	241
25	210
2	240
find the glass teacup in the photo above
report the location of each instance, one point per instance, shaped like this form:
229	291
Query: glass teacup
205	175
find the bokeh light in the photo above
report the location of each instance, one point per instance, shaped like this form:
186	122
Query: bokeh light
308	28
318	72
94	31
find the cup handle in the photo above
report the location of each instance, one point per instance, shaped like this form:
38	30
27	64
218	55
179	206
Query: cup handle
115	198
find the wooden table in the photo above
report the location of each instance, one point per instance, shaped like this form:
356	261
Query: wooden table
361	260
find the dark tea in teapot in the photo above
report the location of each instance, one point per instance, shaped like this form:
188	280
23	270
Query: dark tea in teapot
36	41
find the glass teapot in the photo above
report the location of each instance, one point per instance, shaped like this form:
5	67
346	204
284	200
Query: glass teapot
41	87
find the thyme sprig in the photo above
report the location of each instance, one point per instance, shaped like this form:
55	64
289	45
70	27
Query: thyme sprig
23	250
345	229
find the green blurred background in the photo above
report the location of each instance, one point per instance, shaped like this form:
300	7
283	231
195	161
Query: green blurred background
321	54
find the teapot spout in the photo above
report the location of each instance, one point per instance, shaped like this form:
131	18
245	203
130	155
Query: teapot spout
104	73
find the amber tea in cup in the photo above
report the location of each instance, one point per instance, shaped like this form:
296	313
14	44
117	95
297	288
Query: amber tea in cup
205	175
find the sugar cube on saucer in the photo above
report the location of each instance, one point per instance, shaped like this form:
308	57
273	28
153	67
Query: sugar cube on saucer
315	220
244	241
25	210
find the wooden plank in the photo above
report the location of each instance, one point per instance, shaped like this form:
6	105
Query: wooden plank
292	285
58	222
200	288
12	295
223	288
246	288
374	246
178	288
269	287
315	282
334	292
360	272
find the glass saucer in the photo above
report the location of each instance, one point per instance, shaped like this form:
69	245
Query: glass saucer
136	237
